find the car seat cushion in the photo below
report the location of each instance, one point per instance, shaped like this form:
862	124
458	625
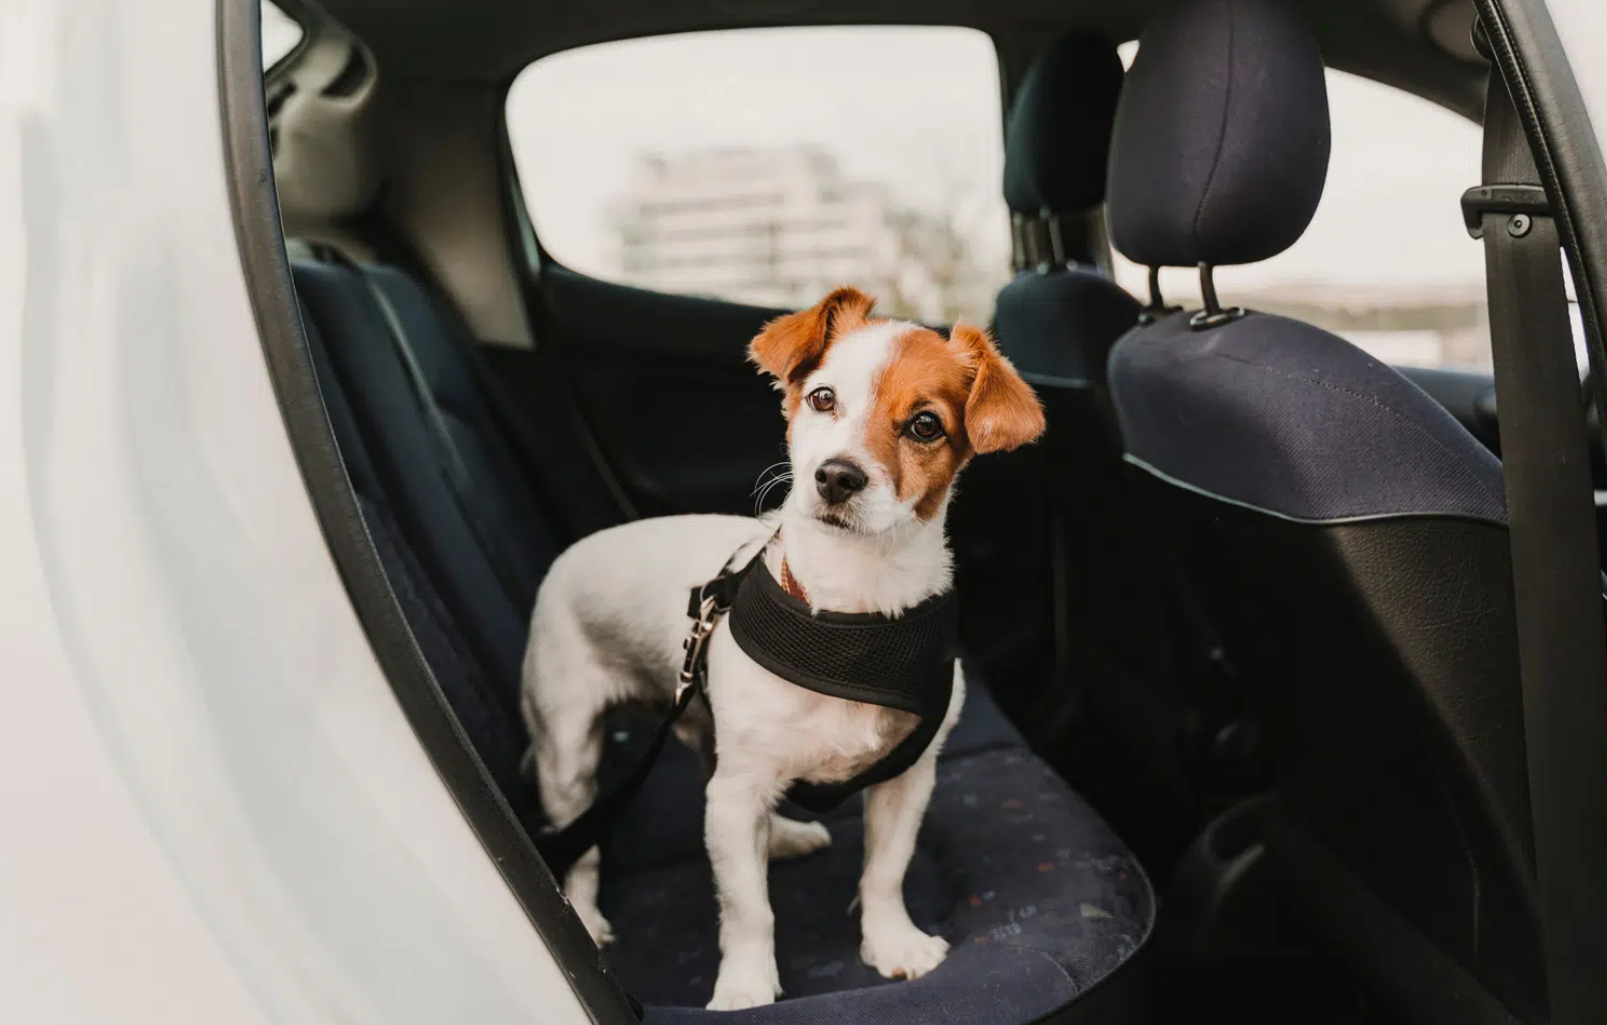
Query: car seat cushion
1207	165
1249	411
1037	898
665	821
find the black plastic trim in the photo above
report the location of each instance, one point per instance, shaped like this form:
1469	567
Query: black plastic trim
255	206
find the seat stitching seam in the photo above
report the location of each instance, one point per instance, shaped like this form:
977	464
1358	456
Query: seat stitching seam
1221	134
1369	399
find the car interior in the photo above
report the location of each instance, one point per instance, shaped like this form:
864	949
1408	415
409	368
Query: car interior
1245	731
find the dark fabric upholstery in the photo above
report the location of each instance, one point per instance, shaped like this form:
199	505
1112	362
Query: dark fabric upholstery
1290	419
516	514
1057	323
1037	897
665	823
1057	326
1040	900
477	700
409	467
1057	140
1221	140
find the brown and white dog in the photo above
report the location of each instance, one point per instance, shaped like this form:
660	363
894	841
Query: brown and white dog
881	417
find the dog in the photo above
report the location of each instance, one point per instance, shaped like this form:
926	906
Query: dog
881	416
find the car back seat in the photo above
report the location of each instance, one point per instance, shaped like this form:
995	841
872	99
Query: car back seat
1040	900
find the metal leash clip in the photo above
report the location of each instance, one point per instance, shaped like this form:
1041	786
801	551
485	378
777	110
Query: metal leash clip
696	641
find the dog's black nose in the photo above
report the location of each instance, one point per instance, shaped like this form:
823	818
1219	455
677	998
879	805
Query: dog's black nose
839	480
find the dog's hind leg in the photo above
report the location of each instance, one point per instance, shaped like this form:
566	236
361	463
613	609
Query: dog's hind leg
568	744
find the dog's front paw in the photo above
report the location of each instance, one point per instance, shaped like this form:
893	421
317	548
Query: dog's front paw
901	951
745	982
790	838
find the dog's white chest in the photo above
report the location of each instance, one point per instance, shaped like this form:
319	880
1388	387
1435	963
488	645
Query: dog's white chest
800	733
850	737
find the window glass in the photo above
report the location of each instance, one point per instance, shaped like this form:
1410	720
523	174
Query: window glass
1386	262
766	166
280	34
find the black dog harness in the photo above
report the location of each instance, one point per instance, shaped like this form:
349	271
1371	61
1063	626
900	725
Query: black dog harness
904	662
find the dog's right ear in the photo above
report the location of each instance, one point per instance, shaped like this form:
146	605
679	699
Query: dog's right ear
791	347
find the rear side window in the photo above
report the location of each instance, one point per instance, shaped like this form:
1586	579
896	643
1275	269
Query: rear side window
766	166
1386	262
280	34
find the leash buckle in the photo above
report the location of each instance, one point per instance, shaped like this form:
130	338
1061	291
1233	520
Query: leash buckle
695	643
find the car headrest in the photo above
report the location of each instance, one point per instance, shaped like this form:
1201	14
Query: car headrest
1221	142
1057	141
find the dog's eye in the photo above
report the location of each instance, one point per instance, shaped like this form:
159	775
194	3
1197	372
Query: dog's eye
925	427
823	400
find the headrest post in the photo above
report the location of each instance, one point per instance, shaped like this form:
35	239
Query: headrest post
1208	289
1157	307
1057	245
1213	315
1018	242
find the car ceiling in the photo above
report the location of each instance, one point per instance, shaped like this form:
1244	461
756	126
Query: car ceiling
1420	45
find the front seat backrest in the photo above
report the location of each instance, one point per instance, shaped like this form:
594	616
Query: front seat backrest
1056	321
1125	644
1346	532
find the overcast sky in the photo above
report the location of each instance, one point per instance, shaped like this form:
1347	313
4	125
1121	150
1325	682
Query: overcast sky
918	109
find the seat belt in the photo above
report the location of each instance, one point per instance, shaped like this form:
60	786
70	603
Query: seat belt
1562	642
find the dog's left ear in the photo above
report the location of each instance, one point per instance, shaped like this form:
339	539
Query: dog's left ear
791	347
1002	411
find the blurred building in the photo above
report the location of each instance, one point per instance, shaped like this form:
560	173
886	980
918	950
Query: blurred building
780	227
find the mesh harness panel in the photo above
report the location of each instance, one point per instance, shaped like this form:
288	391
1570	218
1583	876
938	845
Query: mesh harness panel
904	662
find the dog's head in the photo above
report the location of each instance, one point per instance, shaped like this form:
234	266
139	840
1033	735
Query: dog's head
882	414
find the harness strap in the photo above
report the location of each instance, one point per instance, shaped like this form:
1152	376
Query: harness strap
911	658
561	848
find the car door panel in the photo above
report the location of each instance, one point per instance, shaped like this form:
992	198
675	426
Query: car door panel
681	418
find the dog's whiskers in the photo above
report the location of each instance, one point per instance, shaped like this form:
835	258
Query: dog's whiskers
759	481
782	478
781	473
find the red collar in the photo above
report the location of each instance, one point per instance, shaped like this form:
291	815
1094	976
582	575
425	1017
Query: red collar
789	583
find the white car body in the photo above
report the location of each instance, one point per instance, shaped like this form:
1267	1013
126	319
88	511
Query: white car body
215	811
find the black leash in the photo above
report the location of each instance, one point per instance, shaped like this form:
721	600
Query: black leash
561	848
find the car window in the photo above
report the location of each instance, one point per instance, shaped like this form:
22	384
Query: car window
766	166
1386	262
280	34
